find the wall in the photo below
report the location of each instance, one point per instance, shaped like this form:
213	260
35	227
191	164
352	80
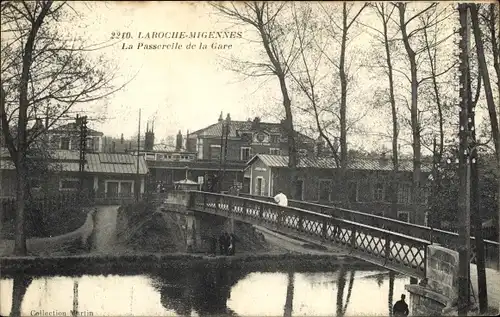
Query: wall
439	291
259	169
366	180
234	148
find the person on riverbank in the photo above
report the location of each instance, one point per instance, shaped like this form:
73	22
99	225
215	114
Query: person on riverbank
222	243
401	308
232	246
227	242
213	245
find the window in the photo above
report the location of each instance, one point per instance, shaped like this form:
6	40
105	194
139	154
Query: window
404	193
324	190
245	153
274	151
275	138
200	179
302	151
96	144
378	192
404	216
64	143
214	151
353	191
336	193
364	191
126	188
69	184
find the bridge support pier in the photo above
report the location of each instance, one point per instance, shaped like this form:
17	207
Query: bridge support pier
193	233
437	294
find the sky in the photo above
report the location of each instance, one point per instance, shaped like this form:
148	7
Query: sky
187	89
180	89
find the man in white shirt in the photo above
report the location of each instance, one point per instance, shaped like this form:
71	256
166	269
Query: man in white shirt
281	200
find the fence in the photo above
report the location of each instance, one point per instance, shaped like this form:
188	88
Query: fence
443	237
398	251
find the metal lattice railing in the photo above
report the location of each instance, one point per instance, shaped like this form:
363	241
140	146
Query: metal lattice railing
443	237
397	251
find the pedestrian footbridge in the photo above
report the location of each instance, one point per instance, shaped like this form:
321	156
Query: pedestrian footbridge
394	244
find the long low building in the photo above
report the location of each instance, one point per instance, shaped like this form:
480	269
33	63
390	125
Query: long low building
319	180
108	174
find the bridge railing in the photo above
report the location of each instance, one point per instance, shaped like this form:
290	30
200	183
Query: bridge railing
394	250
443	237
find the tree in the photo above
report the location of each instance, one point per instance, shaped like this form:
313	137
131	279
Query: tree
385	12
267	20
347	22
488	91
44	73
413	52
324	66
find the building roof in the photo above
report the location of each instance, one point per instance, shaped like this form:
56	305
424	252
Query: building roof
167	148
215	130
329	163
196	165
72	126
109	163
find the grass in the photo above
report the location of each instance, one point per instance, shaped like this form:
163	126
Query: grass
49	223
140	263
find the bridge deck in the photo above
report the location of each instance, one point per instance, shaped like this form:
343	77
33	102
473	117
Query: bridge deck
443	237
395	251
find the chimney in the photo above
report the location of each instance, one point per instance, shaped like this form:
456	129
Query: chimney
383	159
186	144
149	140
220	117
319	146
114	147
121	139
178	143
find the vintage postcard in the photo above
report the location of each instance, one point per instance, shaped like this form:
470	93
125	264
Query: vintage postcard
218	158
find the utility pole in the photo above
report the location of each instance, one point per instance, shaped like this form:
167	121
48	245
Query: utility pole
81	123
464	165
475	196
138	178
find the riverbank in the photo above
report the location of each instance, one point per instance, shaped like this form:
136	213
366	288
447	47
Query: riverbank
138	263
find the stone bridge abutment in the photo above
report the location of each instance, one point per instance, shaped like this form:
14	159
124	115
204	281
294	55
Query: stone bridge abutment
199	228
437	294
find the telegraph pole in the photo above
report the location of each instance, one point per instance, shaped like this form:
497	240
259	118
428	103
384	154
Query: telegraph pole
138	186
82	124
464	165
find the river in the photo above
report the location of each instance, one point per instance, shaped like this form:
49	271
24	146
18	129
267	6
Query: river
343	292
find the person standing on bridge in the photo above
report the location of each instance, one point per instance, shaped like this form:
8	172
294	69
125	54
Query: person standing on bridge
401	308
281	200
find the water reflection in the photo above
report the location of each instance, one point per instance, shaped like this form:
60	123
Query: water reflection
205	292
20	285
289	295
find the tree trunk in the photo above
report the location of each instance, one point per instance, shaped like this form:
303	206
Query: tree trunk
391	291
395	132
287	103
494	42
292	146
483	69
287	312
340	292
20	285
415	125
343	106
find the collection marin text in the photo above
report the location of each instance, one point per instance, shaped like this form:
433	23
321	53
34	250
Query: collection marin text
160	38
